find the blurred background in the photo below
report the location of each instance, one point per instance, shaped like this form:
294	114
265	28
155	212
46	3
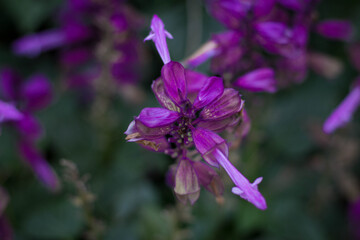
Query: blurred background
111	189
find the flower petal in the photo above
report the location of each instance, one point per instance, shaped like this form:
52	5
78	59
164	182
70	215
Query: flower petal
160	94
209	178
157	117
39	165
259	80
35	44
10	84
228	104
343	113
158	34
212	89
29	127
173	75
335	29
8	112
245	189
37	93
206	142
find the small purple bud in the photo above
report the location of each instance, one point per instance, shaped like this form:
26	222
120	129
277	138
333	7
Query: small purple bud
274	32
37	93
187	186
158	34
259	80
335	29
207	51
343	113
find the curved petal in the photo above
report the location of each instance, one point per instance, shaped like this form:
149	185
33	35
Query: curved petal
259	80
206	142
212	89
160	94
228	104
173	75
39	165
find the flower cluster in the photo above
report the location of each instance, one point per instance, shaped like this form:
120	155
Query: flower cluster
88	31
29	97
194	109
266	44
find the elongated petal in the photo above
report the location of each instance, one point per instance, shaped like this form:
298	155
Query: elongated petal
29	127
173	75
158	34
37	93
243	188
219	125
160	94
8	112
206	142
228	104
157	117
212	89
39	165
209	178
343	113
207	51
194	82
259	80
273	32
335	29
186	182
35	44
155	122
10	84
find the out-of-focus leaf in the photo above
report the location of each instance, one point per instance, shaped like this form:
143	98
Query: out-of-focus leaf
58	220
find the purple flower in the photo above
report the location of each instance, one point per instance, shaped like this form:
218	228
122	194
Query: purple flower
343	113
190	102
30	96
158	34
259	80
335	29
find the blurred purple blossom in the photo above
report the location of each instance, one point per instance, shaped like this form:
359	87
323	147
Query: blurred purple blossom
29	96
